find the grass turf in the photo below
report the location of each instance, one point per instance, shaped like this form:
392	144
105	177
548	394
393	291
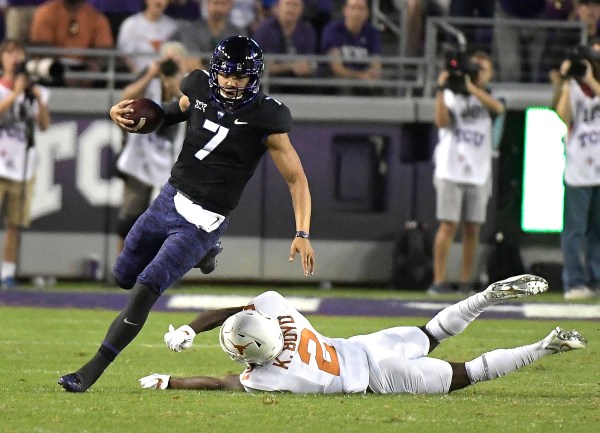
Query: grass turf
558	393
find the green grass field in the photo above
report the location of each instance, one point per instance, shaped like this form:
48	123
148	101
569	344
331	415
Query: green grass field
558	393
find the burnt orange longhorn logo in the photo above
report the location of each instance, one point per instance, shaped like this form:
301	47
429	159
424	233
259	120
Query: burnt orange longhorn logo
241	348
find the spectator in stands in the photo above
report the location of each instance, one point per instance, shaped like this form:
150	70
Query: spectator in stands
580	239
246	14
23	106
72	24
511	40
413	14
464	113
287	33
560	10
350	41
203	35
482	36
117	11
18	15
546	55
145	32
145	162
472	8
184	10
318	13
588	12
558	40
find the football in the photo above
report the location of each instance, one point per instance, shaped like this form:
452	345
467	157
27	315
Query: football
147	114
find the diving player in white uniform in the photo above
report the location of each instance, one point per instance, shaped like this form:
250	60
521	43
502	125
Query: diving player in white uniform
283	352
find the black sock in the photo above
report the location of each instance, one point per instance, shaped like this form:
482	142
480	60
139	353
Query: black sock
121	332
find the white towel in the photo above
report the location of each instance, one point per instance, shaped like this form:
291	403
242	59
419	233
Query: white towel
197	215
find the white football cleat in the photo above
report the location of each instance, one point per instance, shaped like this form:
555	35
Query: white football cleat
560	340
516	287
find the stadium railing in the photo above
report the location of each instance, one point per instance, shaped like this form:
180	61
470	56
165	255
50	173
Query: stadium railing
470	34
401	76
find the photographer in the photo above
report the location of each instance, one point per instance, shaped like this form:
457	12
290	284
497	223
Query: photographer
578	106
23	104
146	160
464	113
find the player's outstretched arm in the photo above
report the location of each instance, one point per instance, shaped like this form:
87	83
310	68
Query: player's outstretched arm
229	382
288	163
182	338
211	319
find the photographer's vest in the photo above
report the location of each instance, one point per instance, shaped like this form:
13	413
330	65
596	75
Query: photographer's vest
464	150
583	141
14	153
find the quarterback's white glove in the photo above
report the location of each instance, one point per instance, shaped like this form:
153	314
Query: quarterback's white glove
179	339
155	381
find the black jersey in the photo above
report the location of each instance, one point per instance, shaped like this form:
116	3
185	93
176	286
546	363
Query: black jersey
221	149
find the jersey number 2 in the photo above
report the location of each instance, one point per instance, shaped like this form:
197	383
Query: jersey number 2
220	134
331	367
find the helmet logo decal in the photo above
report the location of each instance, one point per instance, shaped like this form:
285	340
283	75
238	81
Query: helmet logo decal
241	348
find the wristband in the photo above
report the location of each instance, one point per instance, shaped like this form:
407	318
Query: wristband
440	88
301	234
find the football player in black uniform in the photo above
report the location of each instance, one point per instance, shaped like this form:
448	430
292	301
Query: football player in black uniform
231	124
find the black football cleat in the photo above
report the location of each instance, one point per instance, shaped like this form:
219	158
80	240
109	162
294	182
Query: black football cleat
72	383
209	261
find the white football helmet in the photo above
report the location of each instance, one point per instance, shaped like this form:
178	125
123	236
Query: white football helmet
250	337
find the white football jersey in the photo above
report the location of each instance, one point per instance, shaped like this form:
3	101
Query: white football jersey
583	142
309	362
138	35
464	150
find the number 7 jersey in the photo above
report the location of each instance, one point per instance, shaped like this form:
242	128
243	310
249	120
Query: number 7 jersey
309	362
222	149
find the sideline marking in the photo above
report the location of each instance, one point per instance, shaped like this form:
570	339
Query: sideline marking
209	302
562	311
533	310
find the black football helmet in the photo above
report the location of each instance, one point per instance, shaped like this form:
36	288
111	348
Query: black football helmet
235	55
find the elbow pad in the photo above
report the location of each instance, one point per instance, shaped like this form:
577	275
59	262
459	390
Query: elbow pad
173	114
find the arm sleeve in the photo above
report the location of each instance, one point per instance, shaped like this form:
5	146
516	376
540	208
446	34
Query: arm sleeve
186	84
173	114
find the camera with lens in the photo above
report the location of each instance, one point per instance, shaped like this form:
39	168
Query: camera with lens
577	55
169	68
459	65
46	69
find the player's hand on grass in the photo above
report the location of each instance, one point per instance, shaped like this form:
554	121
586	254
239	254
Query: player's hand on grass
179	339
155	381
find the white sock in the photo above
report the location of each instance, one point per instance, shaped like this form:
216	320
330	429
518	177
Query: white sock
455	318
497	363
8	270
